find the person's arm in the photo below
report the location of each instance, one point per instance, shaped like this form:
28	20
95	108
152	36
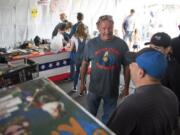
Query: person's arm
84	69
55	31
123	31
126	80
124	26
73	30
70	46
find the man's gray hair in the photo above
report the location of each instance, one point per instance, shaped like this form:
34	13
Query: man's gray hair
104	18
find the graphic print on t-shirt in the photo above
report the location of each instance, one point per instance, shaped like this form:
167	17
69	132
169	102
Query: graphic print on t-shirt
107	58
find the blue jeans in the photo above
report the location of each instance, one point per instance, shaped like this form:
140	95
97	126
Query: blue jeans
76	75
109	105
72	69
72	65
128	36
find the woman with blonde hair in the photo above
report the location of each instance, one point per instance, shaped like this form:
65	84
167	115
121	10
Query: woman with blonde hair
78	42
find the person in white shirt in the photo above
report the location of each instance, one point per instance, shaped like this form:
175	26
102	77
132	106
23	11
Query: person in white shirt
58	42
128	27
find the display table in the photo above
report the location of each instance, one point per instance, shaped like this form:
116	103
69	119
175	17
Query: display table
18	72
39	107
55	66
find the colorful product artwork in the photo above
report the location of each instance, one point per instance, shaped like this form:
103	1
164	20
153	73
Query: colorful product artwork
39	107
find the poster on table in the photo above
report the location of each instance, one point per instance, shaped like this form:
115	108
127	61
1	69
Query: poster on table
39	107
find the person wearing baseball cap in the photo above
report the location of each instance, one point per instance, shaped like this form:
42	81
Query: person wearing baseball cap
153	108
160	41
172	76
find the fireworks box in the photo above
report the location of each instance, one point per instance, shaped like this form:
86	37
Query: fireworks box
14	73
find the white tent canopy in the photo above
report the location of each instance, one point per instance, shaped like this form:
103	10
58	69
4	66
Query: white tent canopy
22	20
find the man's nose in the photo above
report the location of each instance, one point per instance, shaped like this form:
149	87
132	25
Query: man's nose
107	31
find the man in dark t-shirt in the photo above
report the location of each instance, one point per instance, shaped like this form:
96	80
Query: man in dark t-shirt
63	19
153	108
106	53
171	48
172	76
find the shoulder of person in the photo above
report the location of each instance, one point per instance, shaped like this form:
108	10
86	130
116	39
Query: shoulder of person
92	41
119	39
76	24
58	25
128	103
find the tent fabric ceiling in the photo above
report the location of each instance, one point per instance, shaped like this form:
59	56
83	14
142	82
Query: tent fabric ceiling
18	25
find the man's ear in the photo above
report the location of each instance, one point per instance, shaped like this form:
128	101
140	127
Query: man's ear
141	73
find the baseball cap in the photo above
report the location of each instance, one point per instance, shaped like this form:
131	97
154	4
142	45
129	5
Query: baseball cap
153	62
160	39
